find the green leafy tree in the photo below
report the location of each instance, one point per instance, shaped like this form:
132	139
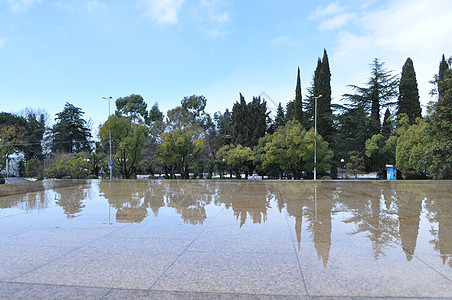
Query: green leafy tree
70	132
149	163
155	115
381	151
69	165
412	146
127	142
298	113
11	139
179	118
291	148
12	136
133	107
239	158
179	151
440	126
195	105
32	168
356	163
408	102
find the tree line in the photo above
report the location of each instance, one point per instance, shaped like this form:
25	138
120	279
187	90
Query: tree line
375	124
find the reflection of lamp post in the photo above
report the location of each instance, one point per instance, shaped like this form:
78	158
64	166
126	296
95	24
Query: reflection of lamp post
315	135
109	133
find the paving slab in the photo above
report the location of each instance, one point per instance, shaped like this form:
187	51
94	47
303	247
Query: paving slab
220	239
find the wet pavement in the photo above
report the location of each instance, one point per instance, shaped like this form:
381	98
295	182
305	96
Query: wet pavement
226	239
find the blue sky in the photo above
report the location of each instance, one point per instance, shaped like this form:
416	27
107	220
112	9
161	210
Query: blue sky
76	51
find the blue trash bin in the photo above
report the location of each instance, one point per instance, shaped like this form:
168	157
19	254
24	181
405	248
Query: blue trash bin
391	172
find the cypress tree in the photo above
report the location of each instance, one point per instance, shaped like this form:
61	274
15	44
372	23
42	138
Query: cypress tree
298	101
280	118
324	113
408	101
387	128
443	68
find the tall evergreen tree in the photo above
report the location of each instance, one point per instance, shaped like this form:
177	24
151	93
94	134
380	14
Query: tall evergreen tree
70	132
280	118
442	74
379	91
249	121
290	110
440	126
408	101
388	125
324	113
298	101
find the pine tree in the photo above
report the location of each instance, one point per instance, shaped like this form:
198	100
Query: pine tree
298	101
70	132
408	101
379	91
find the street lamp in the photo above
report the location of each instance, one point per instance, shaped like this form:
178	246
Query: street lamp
109	133
315	135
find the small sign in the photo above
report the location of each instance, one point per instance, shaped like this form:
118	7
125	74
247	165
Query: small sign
111	163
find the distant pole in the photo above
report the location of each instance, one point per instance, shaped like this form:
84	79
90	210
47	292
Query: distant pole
315	135
109	135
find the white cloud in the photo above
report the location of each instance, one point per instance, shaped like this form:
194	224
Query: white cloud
19	6
336	22
322	12
161	11
95	5
212	18
2	42
332	17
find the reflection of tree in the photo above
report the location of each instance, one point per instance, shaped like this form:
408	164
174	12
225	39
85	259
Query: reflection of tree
251	201
29	201
409	219
295	197
128	198
71	199
440	215
315	202
319	214
189	198
372	218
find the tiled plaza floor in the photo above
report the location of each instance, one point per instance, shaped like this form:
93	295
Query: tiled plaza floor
203	239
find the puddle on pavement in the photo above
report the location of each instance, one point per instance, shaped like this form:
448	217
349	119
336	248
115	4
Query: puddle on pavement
374	219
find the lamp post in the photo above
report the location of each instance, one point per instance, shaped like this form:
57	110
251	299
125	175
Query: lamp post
315	135
109	135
